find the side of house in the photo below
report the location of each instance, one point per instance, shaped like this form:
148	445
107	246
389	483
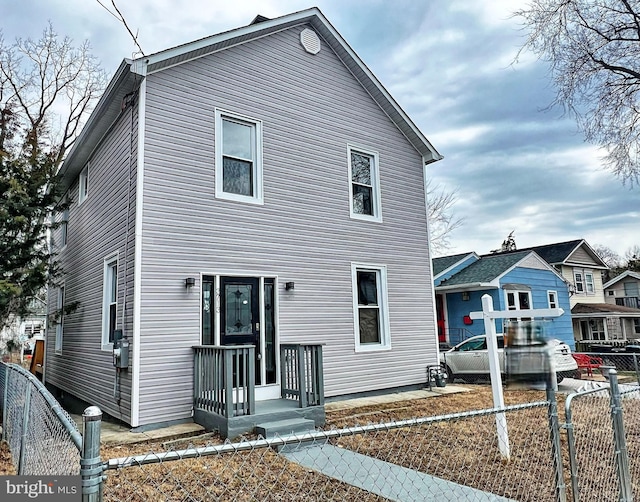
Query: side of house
96	249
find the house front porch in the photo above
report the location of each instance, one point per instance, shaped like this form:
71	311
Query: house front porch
225	388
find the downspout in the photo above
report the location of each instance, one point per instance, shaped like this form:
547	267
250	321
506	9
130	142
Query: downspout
139	67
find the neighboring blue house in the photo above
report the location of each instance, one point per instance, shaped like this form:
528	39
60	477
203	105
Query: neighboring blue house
516	280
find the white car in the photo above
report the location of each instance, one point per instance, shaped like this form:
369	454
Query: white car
469	360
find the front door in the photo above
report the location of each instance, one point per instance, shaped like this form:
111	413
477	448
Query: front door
442	336
240	311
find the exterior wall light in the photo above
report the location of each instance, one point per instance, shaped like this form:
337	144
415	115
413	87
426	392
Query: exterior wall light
189	282
288	286
465	296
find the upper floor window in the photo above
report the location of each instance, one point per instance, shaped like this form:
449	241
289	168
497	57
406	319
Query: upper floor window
83	185
371	317
588	280
64	228
584	282
364	195
109	300
238	158
552	297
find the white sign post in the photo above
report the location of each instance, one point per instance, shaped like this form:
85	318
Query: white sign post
489	315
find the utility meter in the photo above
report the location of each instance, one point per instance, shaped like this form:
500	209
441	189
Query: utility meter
120	350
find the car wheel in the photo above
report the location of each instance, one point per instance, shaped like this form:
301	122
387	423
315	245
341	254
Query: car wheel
450	375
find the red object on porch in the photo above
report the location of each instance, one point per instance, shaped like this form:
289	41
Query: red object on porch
467	320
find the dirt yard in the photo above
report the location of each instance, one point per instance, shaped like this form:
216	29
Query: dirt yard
265	475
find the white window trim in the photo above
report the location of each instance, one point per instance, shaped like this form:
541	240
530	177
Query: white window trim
516	293
375	185
581	281
83	185
383	299
64	229
108	262
60	320
588	283
555	295
258	197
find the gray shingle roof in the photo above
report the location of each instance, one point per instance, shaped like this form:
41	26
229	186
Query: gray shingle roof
442	263
486	269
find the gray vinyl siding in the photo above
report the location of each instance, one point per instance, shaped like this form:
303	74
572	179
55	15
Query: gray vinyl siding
97	228
582	257
311	107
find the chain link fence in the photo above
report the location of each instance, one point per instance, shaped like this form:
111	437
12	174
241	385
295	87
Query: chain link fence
42	437
592	453
448	457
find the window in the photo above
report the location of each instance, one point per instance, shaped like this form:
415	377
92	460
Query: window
238	158
631	288
518	300
63	228
59	320
636	326
588	279
577	277
83	185
365	191
552	297
109	300
371	318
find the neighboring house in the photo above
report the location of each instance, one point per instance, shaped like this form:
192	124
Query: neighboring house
23	329
260	188
515	280
624	291
594	320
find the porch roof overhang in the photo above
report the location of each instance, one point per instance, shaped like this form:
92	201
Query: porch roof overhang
454	288
603	310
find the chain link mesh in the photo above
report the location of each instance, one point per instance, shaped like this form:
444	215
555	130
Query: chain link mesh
631	417
50	443
594	464
452	457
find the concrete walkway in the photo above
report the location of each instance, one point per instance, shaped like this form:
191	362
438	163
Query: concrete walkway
383	478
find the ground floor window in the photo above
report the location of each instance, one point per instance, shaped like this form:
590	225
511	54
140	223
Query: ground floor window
59	319
593	329
371	318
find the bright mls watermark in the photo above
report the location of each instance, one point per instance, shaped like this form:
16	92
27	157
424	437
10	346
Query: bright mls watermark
49	488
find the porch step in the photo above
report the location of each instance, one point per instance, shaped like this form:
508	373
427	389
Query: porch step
293	426
285	427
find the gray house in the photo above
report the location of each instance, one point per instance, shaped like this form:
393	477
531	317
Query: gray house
247	211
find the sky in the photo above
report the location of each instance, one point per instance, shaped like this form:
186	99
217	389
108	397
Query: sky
516	164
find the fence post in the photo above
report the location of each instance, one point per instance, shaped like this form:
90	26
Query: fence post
90	465
5	403
25	425
635	367
619	440
554	429
571	443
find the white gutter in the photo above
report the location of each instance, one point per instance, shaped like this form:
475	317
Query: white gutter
137	268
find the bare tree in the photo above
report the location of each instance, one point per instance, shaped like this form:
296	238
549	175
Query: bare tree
608	255
632	258
442	221
593	48
47	88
